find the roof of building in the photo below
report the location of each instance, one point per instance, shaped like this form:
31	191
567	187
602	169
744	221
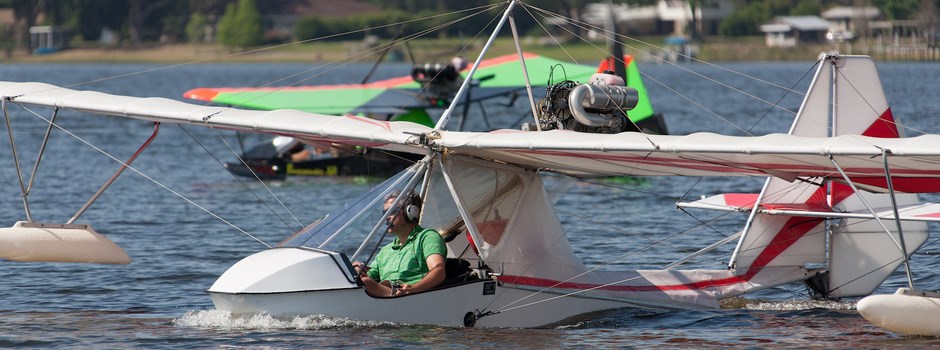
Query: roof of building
802	23
842	12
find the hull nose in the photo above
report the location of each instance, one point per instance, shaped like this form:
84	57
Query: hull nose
905	312
282	270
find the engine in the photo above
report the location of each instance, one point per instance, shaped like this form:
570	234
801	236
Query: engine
600	106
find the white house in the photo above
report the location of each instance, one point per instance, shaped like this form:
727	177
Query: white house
850	21
666	17
787	31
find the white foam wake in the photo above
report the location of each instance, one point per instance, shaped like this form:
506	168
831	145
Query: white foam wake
225	320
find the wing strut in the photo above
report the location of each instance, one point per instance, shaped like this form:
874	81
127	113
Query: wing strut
525	73
24	190
464	214
897	220
894	205
156	129
46	242
747	225
466	83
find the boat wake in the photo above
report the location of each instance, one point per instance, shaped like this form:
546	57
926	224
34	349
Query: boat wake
219	319
785	305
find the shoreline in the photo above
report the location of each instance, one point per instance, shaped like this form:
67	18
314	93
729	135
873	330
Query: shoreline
716	50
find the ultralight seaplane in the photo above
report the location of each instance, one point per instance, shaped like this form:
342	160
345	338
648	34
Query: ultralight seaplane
427	90
839	209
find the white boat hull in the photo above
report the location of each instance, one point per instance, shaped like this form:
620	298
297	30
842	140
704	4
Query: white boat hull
448	306
906	312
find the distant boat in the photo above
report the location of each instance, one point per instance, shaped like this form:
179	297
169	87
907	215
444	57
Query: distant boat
285	156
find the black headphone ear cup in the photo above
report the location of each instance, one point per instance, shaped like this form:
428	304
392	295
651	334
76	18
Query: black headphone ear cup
411	212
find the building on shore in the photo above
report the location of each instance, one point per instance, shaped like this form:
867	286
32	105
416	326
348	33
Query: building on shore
665	17
789	31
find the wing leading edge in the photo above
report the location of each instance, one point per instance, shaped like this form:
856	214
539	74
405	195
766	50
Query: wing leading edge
349	130
913	161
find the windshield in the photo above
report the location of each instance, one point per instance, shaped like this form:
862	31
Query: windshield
347	227
273	148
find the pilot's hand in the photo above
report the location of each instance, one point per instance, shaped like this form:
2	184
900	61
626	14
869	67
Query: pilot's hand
361	268
404	289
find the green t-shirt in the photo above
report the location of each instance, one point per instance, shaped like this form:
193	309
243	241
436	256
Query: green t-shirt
407	263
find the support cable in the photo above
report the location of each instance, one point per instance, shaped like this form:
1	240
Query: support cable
151	179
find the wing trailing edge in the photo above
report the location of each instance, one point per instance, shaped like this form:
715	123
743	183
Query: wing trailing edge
744	202
911	160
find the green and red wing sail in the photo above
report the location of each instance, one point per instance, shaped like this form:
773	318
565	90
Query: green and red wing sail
497	77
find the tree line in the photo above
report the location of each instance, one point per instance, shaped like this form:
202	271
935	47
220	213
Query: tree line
238	23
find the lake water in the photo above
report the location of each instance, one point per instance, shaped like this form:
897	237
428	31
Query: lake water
159	300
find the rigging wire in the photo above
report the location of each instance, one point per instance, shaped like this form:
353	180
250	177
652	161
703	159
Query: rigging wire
746	131
626	37
266	48
870	107
617	58
464	49
674	91
165	187
785	93
509	307
653	243
361	56
245	185
586	26
353	58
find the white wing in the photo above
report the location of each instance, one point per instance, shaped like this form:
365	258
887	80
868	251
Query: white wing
914	162
352	130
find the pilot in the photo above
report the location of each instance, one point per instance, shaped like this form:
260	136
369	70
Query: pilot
413	262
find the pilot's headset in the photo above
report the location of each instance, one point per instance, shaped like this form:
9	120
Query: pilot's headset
412	207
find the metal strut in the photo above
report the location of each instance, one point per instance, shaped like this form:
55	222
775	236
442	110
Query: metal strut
42	149
156	129
525	73
747	227
897	220
16	160
466	84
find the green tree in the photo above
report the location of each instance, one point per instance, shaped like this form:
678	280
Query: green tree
96	15
250	31
897	9
746	20
196	28
806	8
240	26
225	27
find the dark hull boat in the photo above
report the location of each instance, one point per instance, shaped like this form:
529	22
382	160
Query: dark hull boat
375	164
284	156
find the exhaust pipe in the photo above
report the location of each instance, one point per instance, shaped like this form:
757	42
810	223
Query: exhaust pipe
601	97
